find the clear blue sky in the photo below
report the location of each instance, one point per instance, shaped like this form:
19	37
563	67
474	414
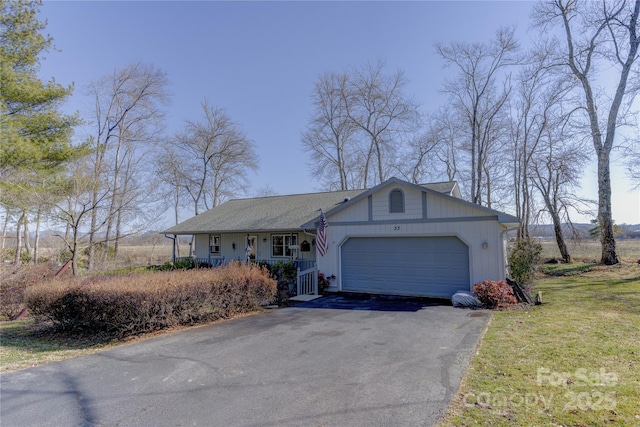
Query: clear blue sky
260	60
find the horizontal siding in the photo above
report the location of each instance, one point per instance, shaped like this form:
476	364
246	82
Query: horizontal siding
440	207
412	204
358	211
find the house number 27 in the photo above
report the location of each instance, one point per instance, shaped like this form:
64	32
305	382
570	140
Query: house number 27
396	228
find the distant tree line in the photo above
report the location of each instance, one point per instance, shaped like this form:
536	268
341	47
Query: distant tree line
516	132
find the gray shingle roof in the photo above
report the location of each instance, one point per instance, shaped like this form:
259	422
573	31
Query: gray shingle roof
272	213
263	213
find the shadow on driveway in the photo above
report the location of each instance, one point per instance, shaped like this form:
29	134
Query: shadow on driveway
355	301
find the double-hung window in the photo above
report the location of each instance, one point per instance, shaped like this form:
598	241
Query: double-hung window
280	244
214	244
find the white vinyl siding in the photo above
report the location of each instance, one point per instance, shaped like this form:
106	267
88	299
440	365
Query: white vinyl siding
358	211
380	204
439	207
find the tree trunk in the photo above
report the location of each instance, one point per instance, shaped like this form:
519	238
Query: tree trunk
18	260
74	255
607	237
474	194
116	244
557	229
92	232
4	230
341	169
67	228
36	244
27	237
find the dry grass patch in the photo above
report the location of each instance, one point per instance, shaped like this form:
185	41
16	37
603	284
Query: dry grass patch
574	361
25	344
589	250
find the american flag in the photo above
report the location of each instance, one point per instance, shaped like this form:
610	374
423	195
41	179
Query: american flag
322	234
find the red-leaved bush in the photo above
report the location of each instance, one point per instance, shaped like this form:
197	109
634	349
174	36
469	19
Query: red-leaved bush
494	294
130	304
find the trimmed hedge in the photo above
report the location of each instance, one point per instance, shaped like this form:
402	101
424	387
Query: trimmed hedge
136	303
14	281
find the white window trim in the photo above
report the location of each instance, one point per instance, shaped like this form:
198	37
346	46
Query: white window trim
212	245
294	241
403	201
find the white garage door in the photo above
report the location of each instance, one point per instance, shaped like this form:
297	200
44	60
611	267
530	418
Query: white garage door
425	266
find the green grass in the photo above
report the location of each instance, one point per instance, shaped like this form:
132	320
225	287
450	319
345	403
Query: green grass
573	361
568	269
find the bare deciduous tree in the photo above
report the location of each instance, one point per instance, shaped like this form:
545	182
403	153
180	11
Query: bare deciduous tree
361	120
215	156
538	105
447	150
127	116
555	170
417	166
169	169
479	94
377	106
598	36
330	136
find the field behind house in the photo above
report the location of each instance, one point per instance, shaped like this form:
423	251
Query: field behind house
589	250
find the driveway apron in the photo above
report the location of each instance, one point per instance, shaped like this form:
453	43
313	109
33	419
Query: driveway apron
336	361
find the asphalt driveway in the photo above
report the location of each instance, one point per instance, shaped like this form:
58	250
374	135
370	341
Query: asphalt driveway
336	361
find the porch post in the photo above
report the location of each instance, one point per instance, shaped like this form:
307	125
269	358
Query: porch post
315	279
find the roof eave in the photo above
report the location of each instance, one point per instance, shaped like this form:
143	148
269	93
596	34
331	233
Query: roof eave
243	231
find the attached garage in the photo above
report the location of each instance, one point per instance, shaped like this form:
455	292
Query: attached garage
424	266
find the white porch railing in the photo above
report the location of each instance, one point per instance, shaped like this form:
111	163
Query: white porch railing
308	281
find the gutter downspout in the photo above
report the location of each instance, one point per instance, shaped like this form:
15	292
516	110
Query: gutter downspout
304	230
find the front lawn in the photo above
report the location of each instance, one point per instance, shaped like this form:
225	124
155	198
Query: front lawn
573	361
24	344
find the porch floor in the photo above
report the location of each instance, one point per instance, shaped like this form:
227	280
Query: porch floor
304	298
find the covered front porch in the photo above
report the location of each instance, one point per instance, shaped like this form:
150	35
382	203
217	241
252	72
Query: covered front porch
306	277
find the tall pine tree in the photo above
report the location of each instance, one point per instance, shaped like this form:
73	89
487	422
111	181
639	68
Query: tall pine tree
34	134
